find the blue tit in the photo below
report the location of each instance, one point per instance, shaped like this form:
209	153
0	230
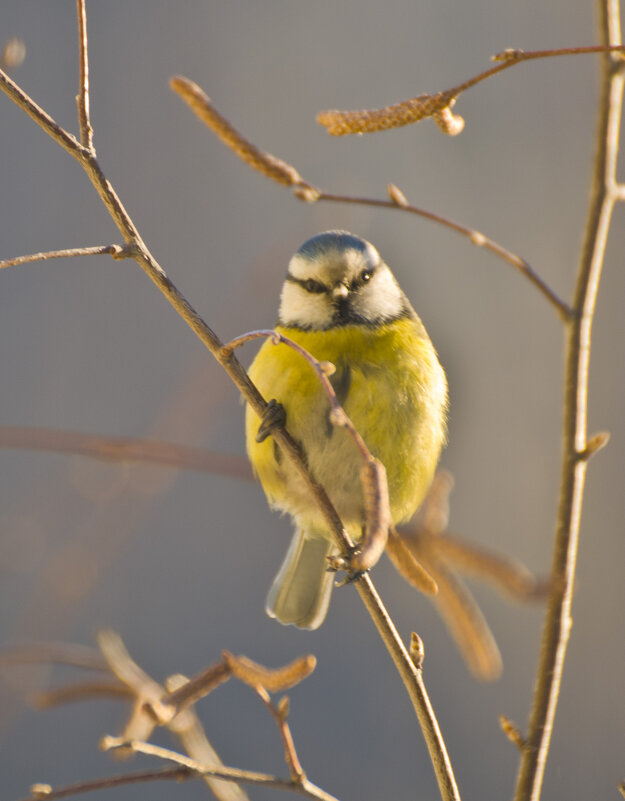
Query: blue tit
341	302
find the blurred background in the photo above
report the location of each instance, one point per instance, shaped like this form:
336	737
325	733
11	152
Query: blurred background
179	562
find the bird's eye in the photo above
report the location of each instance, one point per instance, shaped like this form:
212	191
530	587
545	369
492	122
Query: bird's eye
310	285
365	275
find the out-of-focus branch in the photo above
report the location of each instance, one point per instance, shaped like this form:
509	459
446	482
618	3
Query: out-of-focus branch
125	449
45	792
605	194
153	705
444	556
304	787
79	656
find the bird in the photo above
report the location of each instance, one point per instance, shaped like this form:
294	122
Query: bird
341	302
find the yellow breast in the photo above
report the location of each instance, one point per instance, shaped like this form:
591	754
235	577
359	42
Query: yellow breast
390	383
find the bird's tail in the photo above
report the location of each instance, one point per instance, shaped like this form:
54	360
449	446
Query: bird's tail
300	593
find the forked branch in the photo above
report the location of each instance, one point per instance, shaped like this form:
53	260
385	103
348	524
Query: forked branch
605	194
410	676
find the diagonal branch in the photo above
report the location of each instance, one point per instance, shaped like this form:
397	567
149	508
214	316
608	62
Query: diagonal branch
304	787
409	674
66	140
475	237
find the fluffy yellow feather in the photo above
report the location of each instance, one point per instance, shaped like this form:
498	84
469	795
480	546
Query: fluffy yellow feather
341	302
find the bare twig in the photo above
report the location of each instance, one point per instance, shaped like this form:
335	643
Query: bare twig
304	787
472	234
116	251
280	713
82	99
575	444
44	792
154	706
68	142
125	449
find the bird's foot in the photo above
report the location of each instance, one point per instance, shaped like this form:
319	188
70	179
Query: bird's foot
273	417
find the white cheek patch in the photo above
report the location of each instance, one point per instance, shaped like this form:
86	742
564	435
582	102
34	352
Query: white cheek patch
380	299
304	309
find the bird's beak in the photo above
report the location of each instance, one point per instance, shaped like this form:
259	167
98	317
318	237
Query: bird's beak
340	292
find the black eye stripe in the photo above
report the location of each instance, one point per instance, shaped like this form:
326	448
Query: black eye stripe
317	288
309	284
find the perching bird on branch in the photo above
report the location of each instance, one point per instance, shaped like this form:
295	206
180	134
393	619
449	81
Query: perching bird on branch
341	303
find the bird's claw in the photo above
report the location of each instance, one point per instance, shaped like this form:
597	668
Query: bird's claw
343	562
273	417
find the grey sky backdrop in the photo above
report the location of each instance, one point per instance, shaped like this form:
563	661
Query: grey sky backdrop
179	563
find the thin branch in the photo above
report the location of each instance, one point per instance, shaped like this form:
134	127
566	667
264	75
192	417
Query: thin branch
125	450
558	618
280	714
472	234
66	140
154	705
116	251
44	792
82	99
305	788
195	743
